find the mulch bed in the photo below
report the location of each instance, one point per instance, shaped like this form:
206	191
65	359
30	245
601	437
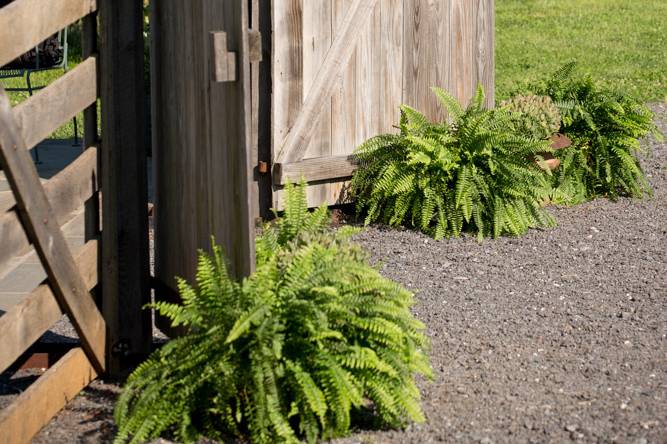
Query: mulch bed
557	336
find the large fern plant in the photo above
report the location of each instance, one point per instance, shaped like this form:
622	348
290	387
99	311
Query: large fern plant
441	178
288	353
605	126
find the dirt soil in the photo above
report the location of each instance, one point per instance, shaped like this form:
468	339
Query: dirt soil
557	336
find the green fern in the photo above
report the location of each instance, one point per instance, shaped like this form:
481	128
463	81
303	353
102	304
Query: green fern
442	178
605	127
288	353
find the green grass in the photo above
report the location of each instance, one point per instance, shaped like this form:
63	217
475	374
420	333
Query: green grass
623	43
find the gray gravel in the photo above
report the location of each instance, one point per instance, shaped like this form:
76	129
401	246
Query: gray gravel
557	336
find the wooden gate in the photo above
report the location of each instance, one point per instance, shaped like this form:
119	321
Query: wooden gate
341	68
40	210
248	94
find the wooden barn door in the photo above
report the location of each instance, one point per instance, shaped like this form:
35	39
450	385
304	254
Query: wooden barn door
201	135
342	68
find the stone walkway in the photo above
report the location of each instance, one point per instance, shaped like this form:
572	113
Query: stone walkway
26	272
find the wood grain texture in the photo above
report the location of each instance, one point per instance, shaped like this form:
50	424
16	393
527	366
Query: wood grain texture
26	322
407	47
125	260
203	140
35	407
461	15
66	192
230	131
36	23
42	114
91	137
484	47
342	48
41	225
314	169
426	61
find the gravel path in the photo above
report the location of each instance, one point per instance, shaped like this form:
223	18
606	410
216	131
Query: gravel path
558	336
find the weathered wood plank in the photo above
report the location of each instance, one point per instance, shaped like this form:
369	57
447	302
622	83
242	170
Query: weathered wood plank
426	54
66	192
484	44
368	77
175	168
223	61
229	111
35	407
462	67
314	169
27	321
317	39
40	222
54	105
342	48
35	24
287	61
343	103
125	270
391	97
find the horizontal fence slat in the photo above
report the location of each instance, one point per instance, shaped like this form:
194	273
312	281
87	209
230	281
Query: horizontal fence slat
66	191
312	170
46	111
26	23
35	407
26	322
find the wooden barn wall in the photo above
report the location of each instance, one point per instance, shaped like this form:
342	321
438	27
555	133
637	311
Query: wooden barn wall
408	47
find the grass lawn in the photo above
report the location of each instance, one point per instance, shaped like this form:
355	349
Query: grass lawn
621	42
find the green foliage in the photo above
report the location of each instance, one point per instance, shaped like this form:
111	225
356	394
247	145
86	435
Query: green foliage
535	116
288	353
605	126
442	178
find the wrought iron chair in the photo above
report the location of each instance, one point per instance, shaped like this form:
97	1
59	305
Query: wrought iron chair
25	69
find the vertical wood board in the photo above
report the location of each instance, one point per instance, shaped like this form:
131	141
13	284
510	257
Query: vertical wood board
125	261
407	47
204	138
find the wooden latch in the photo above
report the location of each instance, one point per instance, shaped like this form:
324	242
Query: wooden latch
223	61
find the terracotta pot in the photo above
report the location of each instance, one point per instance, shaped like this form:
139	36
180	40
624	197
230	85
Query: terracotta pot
560	141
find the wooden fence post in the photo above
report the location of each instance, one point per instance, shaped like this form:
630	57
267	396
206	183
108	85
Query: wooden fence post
125	262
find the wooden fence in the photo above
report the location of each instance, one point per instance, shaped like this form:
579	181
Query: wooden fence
113	260
271	91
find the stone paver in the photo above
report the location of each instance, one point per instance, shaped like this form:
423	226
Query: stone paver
26	273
